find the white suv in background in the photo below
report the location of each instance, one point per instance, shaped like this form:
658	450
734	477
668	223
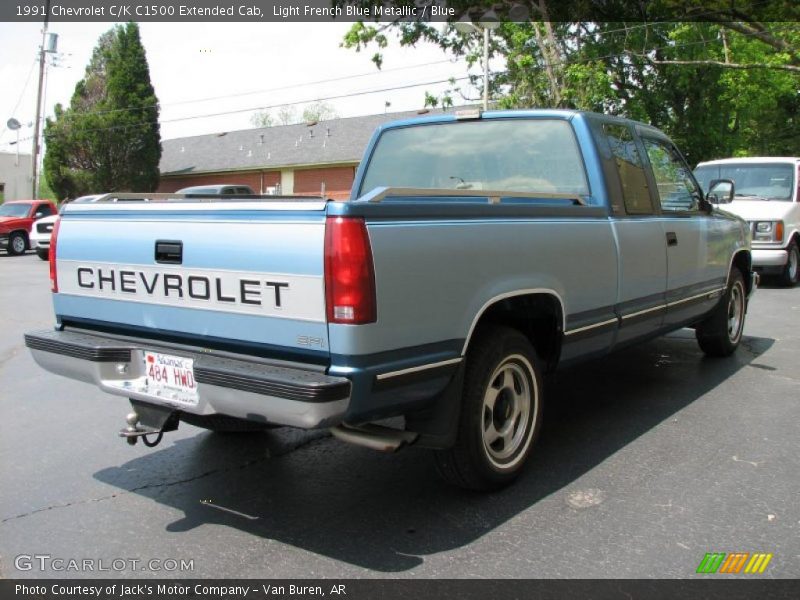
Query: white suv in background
42	229
767	196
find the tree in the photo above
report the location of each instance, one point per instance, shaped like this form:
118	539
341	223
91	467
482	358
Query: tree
108	139
319	111
262	119
287	115
721	86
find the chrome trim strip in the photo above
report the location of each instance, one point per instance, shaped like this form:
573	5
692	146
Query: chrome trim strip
643	312
647	310
442	363
690	298
587	327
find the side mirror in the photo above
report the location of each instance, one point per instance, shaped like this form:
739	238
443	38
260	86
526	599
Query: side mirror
720	191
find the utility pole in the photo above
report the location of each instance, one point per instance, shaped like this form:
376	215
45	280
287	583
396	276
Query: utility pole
488	22
35	153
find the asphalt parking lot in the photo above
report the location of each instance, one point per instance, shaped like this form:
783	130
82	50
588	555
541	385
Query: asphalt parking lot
649	459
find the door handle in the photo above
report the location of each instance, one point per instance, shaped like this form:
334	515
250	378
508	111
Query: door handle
672	238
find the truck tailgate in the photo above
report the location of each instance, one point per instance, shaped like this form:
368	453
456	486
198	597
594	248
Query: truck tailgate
248	272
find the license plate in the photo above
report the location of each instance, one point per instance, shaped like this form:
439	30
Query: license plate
170	377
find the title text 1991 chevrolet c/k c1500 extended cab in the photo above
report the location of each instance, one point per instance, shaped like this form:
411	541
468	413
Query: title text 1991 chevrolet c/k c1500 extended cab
478	252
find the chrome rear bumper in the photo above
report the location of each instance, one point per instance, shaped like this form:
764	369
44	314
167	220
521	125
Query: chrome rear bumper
247	389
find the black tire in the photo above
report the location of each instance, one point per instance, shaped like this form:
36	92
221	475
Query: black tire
224	423
502	393
721	332
17	243
43	253
791	272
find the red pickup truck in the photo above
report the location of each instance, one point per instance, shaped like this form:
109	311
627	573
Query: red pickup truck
16	218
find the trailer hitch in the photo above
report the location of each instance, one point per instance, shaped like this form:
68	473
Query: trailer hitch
147	419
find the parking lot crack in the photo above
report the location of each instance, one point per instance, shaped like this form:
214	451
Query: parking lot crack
122	493
166	484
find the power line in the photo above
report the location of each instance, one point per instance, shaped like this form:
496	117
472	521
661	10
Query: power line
331	80
265	91
296	102
317	99
19	100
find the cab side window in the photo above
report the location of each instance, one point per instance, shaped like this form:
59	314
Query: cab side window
677	191
630	168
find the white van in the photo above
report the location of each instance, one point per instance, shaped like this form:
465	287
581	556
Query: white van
767	196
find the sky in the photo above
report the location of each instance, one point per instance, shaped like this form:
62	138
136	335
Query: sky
229	66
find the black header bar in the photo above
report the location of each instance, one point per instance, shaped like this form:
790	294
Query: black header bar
433	11
702	586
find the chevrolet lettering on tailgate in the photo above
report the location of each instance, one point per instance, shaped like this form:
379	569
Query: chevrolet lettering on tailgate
256	293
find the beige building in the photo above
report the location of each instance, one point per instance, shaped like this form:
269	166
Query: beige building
15	176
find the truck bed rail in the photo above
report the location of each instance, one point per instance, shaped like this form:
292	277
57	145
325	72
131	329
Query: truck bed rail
174	197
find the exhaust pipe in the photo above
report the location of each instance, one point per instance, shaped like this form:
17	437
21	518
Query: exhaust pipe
375	437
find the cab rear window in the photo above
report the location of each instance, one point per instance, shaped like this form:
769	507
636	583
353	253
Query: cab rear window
512	155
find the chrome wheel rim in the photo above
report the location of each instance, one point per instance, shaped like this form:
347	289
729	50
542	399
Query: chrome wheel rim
793	264
735	313
18	244
510	403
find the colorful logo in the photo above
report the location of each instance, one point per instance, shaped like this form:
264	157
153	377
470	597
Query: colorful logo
734	563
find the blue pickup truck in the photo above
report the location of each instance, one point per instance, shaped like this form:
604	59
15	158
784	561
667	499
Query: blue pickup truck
478	252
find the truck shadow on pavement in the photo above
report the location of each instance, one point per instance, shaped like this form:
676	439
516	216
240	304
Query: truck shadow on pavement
387	512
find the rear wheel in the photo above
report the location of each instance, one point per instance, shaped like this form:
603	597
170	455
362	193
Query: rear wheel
501	412
791	272
17	243
43	253
721	332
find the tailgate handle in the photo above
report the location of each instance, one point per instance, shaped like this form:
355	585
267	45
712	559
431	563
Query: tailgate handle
169	252
672	238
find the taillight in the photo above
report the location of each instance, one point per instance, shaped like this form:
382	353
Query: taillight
52	253
349	273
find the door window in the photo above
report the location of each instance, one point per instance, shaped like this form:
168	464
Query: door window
677	191
630	168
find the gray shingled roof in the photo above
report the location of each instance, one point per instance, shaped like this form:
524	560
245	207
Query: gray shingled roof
333	141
